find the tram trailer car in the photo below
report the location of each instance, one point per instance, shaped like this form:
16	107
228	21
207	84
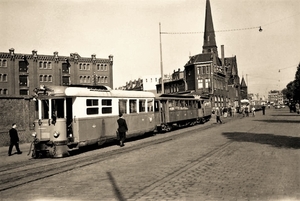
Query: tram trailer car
175	111
70	117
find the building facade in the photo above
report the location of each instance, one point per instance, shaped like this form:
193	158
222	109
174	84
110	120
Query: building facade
275	97
20	74
207	74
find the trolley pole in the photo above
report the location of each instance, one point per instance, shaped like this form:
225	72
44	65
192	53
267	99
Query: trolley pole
161	63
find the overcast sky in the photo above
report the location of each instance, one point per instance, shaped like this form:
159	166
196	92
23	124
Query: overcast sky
129	30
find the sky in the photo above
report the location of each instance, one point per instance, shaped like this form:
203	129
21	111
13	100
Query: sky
129	30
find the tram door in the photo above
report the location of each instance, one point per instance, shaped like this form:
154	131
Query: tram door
69	115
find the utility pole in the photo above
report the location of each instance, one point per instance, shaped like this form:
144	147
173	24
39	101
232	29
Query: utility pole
161	63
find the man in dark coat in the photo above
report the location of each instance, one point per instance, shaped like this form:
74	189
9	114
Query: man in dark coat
122	129
14	139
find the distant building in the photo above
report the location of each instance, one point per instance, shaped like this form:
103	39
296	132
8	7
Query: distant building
135	85
21	73
150	82
275	96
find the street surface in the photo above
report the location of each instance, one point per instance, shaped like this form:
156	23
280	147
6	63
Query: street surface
250	158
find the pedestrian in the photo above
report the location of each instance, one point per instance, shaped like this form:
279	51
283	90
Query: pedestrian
263	107
233	109
218	115
225	112
14	139
253	111
122	129
247	111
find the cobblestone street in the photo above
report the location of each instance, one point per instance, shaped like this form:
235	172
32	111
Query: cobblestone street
251	158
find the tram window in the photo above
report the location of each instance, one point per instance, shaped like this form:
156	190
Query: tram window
106	106
123	106
132	104
150	105
199	104
142	106
92	111
91	103
156	106
58	108
45	109
106	102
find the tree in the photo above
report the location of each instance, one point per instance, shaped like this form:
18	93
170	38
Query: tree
296	85
289	90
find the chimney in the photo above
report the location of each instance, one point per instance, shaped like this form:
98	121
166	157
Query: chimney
222	55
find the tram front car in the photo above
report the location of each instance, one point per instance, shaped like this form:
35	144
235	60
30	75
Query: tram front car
52	131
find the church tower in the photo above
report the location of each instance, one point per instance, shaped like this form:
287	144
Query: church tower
209	43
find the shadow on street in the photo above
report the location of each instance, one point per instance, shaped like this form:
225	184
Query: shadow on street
117	190
269	139
279	121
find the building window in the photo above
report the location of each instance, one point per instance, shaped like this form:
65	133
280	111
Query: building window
3	78
23	67
88	66
4	63
50	78
207	69
65	68
203	69
23	80
24	92
207	83
49	65
65	80
200	84
5	91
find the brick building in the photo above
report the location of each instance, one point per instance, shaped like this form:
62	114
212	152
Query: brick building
21	73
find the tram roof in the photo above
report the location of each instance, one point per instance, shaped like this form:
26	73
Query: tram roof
176	96
89	91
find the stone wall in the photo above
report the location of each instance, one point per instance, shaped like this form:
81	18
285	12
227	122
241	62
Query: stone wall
17	110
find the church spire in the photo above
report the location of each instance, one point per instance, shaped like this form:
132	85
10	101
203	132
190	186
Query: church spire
209	44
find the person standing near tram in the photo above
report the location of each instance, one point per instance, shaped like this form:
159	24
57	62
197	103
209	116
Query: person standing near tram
14	139
122	129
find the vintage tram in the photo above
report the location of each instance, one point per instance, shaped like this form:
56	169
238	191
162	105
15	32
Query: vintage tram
71	117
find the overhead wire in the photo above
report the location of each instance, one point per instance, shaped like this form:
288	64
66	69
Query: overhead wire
230	30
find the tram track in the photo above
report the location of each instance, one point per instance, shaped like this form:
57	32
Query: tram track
35	170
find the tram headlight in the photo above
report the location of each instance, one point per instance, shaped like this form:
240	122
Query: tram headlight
56	134
33	134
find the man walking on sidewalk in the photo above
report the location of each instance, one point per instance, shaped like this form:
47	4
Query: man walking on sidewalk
14	139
